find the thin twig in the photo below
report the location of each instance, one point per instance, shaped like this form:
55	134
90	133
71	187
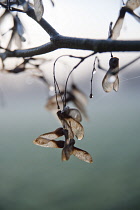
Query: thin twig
93	72
82	59
123	67
131	62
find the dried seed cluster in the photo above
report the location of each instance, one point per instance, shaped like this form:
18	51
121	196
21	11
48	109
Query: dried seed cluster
70	119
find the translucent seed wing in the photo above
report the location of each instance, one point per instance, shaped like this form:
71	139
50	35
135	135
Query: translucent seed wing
82	155
107	84
68	128
111	75
68	149
67	152
39	9
133	4
116	84
79	99
65	124
48	143
53	135
76	128
117	27
81	107
75	114
51	103
79	95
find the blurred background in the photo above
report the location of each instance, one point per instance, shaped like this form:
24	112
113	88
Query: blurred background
33	177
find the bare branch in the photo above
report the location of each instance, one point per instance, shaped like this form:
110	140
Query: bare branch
46	48
60	42
96	44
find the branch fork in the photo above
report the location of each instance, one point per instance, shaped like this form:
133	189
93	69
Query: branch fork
58	41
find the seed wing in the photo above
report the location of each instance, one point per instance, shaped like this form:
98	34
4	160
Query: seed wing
81	107
67	152
79	95
133	4
75	114
48	143
82	155
80	100
51	103
116	84
76	128
118	26
68	128
68	149
106	84
39	9
53	135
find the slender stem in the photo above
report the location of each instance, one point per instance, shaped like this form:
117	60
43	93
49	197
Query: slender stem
81	60
93	72
8	4
131	62
56	83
